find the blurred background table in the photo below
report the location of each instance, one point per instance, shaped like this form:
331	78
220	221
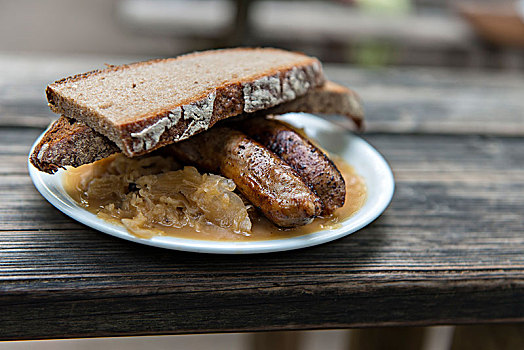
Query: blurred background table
448	250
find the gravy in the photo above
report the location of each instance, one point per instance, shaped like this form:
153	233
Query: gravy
261	229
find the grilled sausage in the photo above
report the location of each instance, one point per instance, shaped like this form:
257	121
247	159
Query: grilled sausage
264	179
313	166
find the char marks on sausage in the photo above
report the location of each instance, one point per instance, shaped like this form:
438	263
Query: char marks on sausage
313	166
263	178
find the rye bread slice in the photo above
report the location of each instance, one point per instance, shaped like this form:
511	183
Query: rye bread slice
68	142
146	105
73	143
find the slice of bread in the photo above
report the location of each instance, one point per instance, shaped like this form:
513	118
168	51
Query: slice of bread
68	142
145	105
73	143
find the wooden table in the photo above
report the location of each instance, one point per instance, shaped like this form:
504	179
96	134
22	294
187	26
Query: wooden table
448	250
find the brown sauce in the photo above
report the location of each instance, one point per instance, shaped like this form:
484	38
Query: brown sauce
75	180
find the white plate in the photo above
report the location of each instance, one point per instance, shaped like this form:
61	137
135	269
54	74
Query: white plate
357	152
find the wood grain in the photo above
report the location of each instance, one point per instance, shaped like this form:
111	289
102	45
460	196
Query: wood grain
448	250
437	101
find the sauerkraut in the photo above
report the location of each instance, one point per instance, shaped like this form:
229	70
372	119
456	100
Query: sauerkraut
153	192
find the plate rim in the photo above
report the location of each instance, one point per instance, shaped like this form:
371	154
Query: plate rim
89	219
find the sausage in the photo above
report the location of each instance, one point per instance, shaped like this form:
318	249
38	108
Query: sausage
312	165
264	179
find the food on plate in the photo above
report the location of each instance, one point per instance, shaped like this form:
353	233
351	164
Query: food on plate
141	123
146	194
70	142
266	180
109	189
311	164
146	105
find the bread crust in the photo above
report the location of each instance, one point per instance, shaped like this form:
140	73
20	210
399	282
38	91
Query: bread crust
188	117
70	143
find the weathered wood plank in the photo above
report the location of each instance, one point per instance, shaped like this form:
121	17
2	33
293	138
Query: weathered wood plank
449	249
437	101
161	309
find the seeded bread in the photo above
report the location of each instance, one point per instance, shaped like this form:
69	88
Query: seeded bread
73	143
145	105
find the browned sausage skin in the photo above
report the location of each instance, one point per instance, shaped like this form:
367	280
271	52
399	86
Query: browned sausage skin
313	166
264	179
